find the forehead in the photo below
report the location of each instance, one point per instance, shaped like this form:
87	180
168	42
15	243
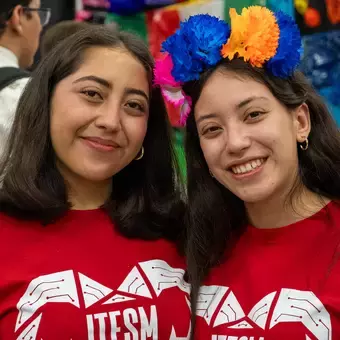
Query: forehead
114	64
225	90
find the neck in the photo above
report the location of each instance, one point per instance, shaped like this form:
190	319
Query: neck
84	194
89	196
12	44
282	211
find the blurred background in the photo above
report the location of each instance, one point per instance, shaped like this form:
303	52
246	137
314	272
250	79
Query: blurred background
155	20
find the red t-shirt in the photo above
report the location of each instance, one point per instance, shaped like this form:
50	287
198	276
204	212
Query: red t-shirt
278	284
79	279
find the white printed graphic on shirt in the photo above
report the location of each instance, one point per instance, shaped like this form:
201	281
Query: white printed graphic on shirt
217	305
291	306
31	329
92	290
230	310
61	288
53	288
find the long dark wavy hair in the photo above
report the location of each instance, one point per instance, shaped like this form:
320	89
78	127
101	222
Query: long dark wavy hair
216	217
146	199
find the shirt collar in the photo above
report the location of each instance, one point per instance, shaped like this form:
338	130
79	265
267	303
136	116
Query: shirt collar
8	58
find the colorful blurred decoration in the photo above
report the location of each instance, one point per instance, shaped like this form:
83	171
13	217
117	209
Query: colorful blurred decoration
312	17
301	6
319	23
321	64
285	6
92	10
128	7
83	15
333	11
104	4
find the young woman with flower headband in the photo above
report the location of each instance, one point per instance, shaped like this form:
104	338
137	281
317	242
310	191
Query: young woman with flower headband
263	179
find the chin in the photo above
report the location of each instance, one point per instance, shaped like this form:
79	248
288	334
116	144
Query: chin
97	178
254	196
97	175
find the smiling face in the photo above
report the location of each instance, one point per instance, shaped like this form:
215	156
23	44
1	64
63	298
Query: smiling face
248	138
99	115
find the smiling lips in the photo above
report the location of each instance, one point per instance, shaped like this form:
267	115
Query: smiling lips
101	144
247	167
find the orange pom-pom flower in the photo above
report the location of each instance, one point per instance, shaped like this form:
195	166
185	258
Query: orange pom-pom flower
254	35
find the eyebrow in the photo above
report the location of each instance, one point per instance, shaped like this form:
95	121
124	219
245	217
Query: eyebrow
131	90
238	106
248	100
105	83
211	115
98	80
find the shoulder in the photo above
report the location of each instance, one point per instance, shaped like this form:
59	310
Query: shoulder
10	228
9	97
15	88
8	221
331	214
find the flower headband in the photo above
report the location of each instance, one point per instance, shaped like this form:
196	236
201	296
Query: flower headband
259	36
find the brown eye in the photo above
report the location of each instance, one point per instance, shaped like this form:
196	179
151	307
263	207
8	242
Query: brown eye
93	95
136	106
254	116
211	130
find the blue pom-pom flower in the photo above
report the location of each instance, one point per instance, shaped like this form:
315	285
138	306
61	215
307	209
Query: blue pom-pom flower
289	51
196	46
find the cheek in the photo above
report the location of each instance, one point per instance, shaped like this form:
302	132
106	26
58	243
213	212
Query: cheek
211	151
33	35
282	142
37	24
66	120
135	129
60	126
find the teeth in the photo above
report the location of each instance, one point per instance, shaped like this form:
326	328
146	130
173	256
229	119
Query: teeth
247	167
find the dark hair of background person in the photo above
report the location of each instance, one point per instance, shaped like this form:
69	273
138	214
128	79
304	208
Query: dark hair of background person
5	7
58	33
146	197
216	217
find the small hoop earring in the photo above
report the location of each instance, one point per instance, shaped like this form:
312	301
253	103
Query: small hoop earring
141	154
304	145
211	174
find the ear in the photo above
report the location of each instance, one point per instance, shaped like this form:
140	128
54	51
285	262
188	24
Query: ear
302	122
15	21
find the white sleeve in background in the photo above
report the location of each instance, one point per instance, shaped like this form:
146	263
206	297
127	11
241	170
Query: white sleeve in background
9	98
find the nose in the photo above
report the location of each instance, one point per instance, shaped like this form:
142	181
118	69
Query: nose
237	139
109	118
